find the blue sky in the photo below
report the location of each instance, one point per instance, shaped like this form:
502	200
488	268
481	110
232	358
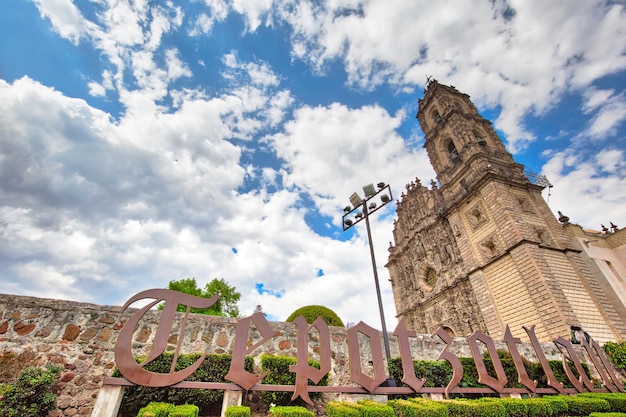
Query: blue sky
142	142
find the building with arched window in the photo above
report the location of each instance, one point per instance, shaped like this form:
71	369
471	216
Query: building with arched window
481	249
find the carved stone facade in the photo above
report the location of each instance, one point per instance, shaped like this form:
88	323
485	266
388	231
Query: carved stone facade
482	249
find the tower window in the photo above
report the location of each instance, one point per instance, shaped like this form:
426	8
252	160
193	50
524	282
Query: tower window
453	153
437	117
479	139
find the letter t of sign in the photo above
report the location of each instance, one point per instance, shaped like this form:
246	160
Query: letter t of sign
408	370
303	371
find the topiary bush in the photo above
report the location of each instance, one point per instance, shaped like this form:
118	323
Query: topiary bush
312	312
31	394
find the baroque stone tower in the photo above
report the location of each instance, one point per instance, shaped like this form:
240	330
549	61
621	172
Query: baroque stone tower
483	250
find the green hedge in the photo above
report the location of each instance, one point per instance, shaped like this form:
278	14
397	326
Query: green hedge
343	409
585	405
371	408
213	369
439	373
469	408
514	407
617	401
609	414
185	410
416	408
291	411
278	367
238	411
156	409
160	409
557	404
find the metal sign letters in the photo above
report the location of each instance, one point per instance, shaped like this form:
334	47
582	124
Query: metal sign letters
137	374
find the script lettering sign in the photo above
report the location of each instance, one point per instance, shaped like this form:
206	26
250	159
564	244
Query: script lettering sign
137	374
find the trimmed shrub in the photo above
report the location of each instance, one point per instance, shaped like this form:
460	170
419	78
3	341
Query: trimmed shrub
583	406
156	409
291	411
514	407
557	404
418	407
278	367
474	408
312	312
31	394
342	409
617	401
609	414
238	411
538	407
185	410
371	408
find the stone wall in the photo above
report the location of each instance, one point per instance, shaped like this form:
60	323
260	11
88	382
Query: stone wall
80	338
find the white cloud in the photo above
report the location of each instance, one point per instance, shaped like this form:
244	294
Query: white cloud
477	46
162	192
608	109
590	191
330	151
96	90
252	10
64	17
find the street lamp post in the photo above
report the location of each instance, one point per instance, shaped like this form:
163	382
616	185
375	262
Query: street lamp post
361	209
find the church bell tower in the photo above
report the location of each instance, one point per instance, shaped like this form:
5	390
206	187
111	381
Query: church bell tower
481	249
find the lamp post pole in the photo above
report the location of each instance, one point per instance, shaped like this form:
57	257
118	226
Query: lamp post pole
368	207
380	300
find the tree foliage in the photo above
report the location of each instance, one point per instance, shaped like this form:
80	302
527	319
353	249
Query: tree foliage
312	312
226	304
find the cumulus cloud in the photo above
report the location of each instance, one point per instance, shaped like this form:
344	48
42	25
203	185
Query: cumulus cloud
591	191
221	178
477	46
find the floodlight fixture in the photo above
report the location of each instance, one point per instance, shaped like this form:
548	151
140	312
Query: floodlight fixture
384	198
369	190
356	200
